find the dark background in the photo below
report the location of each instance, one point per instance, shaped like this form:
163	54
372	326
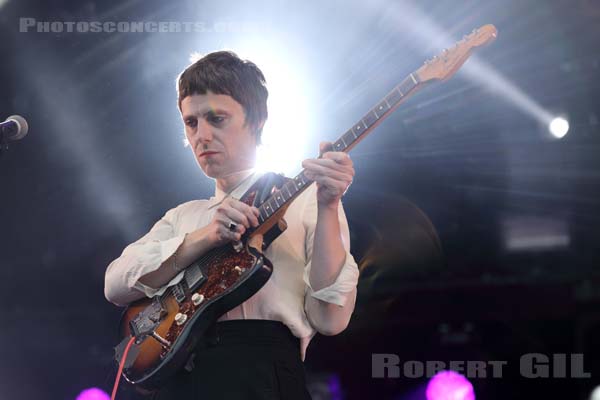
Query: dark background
442	187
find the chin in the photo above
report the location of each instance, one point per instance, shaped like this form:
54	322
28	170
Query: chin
211	171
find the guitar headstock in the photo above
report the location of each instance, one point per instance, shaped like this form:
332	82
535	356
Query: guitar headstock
444	65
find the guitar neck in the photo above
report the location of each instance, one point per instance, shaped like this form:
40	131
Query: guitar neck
293	188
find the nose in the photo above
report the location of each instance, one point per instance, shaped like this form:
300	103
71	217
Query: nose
204	131
202	135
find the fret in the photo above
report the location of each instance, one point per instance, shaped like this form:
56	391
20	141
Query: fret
299	181
350	133
288	190
279	199
370	118
273	204
358	129
282	194
381	108
406	86
413	78
268	209
348	137
395	96
303	178
263	213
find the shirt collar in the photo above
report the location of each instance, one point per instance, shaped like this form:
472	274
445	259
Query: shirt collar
251	177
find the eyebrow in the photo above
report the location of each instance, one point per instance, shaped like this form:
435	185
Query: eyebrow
208	113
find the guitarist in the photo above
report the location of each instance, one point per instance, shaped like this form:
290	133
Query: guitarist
255	350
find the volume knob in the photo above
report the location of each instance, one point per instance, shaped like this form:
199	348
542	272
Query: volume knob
180	318
197	298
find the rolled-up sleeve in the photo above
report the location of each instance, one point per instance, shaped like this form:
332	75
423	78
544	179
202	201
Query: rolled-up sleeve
121	283
345	283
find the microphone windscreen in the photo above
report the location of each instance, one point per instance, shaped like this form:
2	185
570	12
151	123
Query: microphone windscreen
23	126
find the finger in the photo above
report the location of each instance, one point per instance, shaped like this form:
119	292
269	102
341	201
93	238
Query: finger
224	221
339	157
318	165
325	147
251	213
227	235
337	184
234	215
329	169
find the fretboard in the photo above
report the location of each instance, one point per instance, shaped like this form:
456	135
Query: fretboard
347	141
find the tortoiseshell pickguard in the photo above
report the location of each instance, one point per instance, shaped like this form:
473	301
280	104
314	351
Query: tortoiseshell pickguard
221	276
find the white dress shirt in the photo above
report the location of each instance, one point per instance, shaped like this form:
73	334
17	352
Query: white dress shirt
282	298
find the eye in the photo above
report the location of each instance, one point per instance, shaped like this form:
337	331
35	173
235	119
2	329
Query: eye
216	119
191	122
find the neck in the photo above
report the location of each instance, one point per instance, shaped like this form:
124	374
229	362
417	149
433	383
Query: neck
228	182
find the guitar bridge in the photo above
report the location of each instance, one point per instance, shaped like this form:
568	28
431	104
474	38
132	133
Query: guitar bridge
179	293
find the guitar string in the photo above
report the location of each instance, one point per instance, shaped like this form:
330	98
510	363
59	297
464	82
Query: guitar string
211	256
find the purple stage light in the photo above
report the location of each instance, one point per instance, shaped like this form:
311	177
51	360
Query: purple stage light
93	394
449	385
335	387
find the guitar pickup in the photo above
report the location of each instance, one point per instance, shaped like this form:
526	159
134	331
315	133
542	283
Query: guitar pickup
194	277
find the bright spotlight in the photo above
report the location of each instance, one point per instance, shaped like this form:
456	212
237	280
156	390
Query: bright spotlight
285	134
449	385
595	395
93	394
559	127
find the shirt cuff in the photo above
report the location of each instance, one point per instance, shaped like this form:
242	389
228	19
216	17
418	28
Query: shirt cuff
338	292
167	248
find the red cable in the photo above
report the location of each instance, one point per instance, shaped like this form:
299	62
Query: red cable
121	364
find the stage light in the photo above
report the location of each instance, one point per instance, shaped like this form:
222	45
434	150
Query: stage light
93	394
558	127
532	233
286	132
432	37
595	395
449	385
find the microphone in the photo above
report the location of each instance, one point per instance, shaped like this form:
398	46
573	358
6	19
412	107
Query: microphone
14	128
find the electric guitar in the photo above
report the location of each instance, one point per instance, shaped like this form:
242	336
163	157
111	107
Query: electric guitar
159	334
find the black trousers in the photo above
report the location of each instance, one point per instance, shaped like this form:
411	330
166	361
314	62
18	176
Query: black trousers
242	360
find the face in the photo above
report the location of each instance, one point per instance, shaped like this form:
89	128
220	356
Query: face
215	128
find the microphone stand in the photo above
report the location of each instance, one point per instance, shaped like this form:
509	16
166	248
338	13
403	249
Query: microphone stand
3	141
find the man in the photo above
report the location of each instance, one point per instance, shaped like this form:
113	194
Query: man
255	350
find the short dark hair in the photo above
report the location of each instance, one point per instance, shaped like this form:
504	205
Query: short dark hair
223	72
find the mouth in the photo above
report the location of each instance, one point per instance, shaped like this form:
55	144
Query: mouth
208	153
